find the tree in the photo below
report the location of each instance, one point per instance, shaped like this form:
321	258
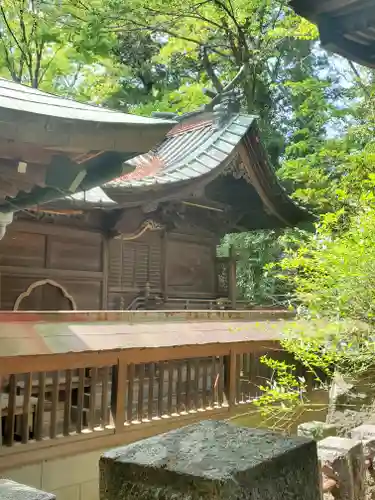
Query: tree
41	46
207	43
30	39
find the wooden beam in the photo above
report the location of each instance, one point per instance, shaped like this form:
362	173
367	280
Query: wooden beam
50	273
55	230
136	355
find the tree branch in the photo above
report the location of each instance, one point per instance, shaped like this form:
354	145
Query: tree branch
9	62
47	66
210	70
11	31
358	76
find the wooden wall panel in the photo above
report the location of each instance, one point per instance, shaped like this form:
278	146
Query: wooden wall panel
190	262
34	251
191	267
86	293
80	254
19	248
11	288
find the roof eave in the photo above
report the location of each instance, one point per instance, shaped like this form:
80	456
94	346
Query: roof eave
81	135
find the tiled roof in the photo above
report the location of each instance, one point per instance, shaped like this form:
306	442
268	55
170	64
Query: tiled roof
22	98
187	152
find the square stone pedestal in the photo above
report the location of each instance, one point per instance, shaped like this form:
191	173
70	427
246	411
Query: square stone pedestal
212	460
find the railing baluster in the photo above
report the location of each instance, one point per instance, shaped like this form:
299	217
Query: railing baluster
179	387
238	379
92	403
11	416
204	383
130	394
105	389
141	380
253	391
170	387
188	386
40	406
26	412
221	381
161	389
151	382
196	383
121	392
67	402
213	381
54	404
232	389
80	399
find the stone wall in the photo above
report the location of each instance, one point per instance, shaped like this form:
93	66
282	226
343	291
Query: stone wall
347	463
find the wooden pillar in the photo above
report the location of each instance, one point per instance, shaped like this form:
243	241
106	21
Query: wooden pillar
232	277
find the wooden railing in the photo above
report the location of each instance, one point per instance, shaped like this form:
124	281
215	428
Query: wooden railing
52	405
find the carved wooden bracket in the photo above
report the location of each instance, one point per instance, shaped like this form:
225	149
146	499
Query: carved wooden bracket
147	225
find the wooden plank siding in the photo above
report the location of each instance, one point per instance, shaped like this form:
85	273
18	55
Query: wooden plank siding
98	272
175	265
71	258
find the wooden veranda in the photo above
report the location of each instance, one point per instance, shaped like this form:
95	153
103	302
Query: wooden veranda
158	371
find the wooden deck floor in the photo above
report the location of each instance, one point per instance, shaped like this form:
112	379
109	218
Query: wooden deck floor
31	338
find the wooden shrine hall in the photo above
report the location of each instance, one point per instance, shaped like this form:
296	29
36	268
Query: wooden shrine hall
113	211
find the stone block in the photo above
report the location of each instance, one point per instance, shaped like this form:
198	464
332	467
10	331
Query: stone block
212	460
10	490
366	434
316	430
345	458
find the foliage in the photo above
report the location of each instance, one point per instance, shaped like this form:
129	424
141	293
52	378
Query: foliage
166	49
33	47
283	389
258	280
333	279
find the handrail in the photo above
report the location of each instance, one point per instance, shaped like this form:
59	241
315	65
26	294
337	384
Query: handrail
73	360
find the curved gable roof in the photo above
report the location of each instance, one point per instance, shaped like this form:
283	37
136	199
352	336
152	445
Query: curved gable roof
188	152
